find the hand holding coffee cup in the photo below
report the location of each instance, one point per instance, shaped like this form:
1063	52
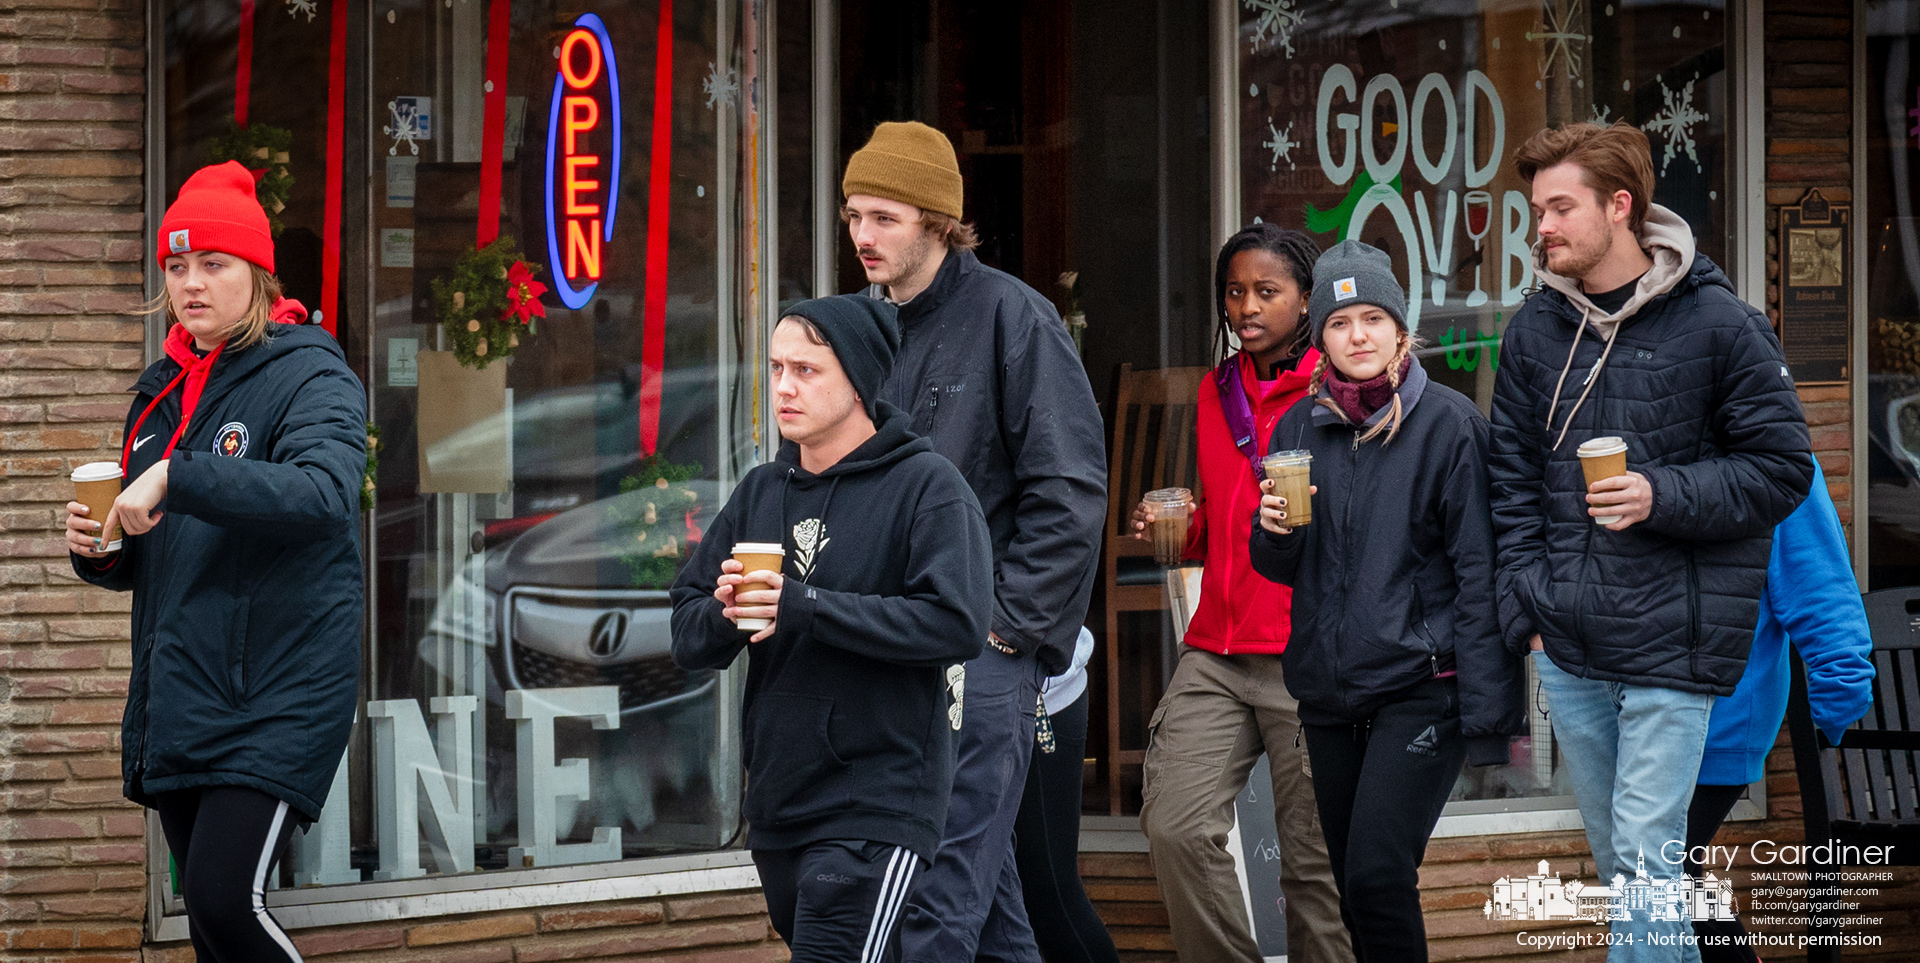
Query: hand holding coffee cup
1171	510
1616	498
752	580
1274	508
90	528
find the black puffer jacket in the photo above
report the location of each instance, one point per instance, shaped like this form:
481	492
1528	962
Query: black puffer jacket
1695	385
989	374
1393	580
248	597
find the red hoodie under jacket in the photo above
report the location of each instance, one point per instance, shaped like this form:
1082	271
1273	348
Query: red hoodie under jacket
1240	612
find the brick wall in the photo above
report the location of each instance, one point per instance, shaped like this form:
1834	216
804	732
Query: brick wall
71	852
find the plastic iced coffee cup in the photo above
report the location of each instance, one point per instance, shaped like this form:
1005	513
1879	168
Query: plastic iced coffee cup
96	484
756	557
1603	458
1292	475
1172	510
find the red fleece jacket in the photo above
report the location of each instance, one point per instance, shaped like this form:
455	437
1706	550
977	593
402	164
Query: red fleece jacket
1240	611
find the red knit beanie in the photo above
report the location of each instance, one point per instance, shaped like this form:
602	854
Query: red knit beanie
217	211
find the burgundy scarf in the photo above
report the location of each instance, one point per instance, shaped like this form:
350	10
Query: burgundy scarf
1359	400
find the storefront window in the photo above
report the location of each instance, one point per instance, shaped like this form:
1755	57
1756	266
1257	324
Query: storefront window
529	512
1891	460
1397	124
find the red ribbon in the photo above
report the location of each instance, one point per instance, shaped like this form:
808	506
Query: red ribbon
243	73
493	123
653	351
336	156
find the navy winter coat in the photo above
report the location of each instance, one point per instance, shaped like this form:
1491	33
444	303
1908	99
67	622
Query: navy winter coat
1696	386
989	374
1393	580
248	594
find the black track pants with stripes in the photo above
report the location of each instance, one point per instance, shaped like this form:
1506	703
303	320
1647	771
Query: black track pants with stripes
226	839
838	900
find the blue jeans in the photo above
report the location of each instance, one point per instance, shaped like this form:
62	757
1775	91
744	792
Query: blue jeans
1633	752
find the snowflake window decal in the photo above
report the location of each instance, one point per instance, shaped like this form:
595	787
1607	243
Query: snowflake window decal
1562	41
1281	143
297	7
403	125
720	86
1675	122
1599	115
1275	23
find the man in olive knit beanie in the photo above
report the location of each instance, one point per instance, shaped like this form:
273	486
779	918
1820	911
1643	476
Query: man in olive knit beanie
988	372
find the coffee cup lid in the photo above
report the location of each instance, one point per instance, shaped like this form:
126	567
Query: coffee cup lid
94	471
1609	445
757	548
1169	495
1292	456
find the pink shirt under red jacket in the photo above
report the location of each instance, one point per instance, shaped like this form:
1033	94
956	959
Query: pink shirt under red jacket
1240	611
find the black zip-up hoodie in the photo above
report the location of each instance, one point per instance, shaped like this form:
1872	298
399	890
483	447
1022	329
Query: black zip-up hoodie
889	582
248	598
990	376
1393	580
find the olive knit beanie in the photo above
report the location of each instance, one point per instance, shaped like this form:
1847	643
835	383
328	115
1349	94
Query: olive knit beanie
1353	272
907	162
217	210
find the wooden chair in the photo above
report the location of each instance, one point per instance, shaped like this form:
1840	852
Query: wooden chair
1866	791
1151	446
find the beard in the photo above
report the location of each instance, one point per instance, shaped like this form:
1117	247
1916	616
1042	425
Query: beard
1577	260
909	262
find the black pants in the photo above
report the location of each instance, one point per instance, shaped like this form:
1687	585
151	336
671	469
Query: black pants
1046	848
1710	807
838	900
225	840
1380	786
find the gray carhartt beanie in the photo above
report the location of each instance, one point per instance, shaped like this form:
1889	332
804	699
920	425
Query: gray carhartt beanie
1353	272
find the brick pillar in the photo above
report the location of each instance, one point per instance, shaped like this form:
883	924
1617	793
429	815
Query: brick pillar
1809	78
72	859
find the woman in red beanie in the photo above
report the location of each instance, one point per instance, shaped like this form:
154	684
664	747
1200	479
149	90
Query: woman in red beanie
244	452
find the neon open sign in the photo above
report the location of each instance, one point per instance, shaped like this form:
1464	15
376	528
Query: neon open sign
582	186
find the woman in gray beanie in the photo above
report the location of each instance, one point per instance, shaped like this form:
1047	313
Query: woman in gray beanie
1396	655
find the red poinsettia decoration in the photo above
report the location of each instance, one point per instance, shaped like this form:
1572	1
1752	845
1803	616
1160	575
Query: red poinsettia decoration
523	294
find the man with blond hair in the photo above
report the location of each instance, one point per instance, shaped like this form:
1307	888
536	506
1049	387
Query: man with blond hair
1636	595
989	374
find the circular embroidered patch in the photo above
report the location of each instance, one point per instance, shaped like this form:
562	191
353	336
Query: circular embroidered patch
231	441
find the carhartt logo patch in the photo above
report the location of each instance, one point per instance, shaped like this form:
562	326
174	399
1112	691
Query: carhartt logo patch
1425	744
231	441
177	243
1345	290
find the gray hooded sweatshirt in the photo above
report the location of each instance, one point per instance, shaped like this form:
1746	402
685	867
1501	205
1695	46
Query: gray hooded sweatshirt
1666	239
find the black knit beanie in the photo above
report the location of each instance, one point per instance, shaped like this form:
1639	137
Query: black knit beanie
864	334
1353	272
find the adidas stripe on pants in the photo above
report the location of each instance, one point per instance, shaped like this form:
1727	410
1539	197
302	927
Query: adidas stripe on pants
838	900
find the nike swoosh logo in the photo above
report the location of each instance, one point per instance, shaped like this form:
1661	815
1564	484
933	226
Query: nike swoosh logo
137	444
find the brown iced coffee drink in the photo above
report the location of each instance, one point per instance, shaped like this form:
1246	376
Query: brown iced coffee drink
1292	475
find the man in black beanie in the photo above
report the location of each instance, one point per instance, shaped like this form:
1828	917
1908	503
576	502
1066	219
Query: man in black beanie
886	581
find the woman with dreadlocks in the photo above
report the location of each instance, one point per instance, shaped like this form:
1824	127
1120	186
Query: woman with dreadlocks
1396	655
1228	700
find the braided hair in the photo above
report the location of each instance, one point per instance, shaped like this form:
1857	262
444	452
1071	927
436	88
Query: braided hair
1391	423
1294	249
